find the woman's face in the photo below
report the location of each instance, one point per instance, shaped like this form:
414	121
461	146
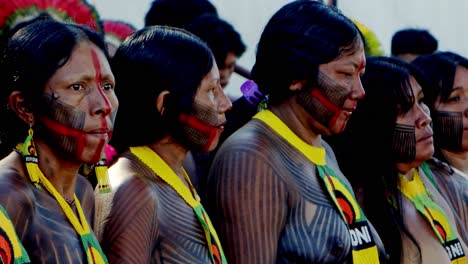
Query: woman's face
79	104
416	125
457	105
227	69
335	96
206	122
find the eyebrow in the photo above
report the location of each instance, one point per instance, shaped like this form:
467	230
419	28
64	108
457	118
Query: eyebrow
456	88
357	66
85	77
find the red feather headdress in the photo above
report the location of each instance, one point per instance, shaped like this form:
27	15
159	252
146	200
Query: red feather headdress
116	31
13	12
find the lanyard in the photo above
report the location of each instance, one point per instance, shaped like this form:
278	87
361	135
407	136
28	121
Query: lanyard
364	249
90	245
161	169
417	193
10	245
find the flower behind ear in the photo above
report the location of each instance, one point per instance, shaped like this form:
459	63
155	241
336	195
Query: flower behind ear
251	93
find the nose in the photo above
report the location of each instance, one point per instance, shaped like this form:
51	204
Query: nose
425	116
225	103
100	102
358	92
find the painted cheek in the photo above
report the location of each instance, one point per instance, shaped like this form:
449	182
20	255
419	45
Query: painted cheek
209	132
62	130
80	139
337	112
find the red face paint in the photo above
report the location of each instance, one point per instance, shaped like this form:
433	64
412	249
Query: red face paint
78	135
98	80
325	102
329	105
208	130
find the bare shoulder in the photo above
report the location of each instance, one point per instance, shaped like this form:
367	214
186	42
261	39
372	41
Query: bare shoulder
448	178
254	137
329	151
461	179
252	152
16	190
132	191
131	214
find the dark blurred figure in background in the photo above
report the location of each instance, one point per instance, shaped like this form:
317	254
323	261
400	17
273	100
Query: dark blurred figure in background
177	13
225	42
409	43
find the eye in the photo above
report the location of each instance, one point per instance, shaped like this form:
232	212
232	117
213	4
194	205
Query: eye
77	86
347	74
453	99
108	86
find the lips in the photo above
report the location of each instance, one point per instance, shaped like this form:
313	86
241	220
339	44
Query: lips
349	109
100	131
425	137
105	133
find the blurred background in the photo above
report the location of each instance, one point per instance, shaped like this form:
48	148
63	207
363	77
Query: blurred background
446	20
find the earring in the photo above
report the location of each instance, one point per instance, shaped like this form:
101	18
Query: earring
102	176
30	157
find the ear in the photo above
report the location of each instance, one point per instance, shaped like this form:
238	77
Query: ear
160	101
297	85
22	109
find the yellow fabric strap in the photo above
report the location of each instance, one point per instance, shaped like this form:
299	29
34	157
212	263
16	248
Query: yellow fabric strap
363	251
162	169
417	193
91	246
314	154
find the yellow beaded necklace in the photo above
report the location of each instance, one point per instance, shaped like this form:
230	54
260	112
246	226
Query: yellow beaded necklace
90	245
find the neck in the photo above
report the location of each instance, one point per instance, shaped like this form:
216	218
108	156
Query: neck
298	120
408	173
459	160
62	173
172	153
